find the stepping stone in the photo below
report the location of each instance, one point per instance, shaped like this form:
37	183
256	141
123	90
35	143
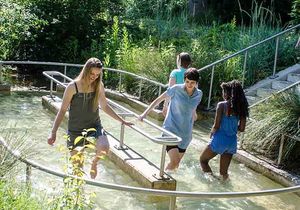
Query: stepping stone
264	92
293	77
279	84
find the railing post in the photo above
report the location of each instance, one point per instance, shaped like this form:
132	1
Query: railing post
280	149
28	174
172	203
121	145
275	58
140	89
120	83
51	88
1	72
244	67
162	161
159	90
210	87
65	73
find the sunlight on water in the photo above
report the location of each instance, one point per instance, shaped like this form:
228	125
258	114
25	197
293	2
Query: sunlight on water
23	113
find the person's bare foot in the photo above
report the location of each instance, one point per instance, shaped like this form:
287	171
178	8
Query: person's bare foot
93	172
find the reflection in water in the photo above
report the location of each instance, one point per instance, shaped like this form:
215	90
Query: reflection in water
24	112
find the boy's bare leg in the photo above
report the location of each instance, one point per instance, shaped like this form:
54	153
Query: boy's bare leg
175	158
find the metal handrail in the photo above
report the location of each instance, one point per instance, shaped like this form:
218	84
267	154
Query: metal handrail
172	194
160	85
245	50
171	139
248	48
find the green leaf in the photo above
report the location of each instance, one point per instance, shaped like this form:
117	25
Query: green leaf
89	146
90	129
78	139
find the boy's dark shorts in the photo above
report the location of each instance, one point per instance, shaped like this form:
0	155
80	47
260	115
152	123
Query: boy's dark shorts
175	146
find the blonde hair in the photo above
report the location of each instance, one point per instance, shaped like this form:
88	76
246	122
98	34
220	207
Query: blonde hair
84	75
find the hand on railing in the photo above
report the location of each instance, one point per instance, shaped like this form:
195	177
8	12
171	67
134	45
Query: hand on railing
142	116
128	123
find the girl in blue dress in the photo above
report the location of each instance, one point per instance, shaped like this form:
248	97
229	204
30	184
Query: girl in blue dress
229	119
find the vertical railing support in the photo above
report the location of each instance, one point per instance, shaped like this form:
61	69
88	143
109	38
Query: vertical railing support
244	67
172	204
162	161
159	90
121	146
51	88
140	89
65	73
210	87
280	149
28	174
120	83
275	58
1	72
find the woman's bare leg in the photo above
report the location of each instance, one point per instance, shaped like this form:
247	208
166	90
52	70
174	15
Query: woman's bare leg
102	148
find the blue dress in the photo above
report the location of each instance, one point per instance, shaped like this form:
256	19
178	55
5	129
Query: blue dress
224	140
179	118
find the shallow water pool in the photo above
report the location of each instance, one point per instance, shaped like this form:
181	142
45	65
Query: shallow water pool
23	113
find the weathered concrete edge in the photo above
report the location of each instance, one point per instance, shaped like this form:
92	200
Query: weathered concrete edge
136	172
5	88
261	166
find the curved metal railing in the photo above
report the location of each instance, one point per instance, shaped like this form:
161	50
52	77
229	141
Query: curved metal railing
66	65
166	193
169	139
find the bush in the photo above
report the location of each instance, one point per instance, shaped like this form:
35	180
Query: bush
15	196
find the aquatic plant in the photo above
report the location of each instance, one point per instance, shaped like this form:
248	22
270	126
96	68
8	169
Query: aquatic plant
278	115
73	195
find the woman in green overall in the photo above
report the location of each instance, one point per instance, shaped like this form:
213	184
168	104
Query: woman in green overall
83	97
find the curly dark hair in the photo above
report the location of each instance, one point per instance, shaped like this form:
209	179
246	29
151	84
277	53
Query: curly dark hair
236	95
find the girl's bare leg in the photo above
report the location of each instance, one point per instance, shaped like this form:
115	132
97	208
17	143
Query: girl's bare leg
224	165
205	157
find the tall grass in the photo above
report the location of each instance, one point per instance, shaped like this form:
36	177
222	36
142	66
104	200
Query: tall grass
279	115
17	142
16	196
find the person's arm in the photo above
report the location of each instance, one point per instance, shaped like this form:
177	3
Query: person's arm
172	81
68	94
242	124
195	116
217	121
107	109
153	104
